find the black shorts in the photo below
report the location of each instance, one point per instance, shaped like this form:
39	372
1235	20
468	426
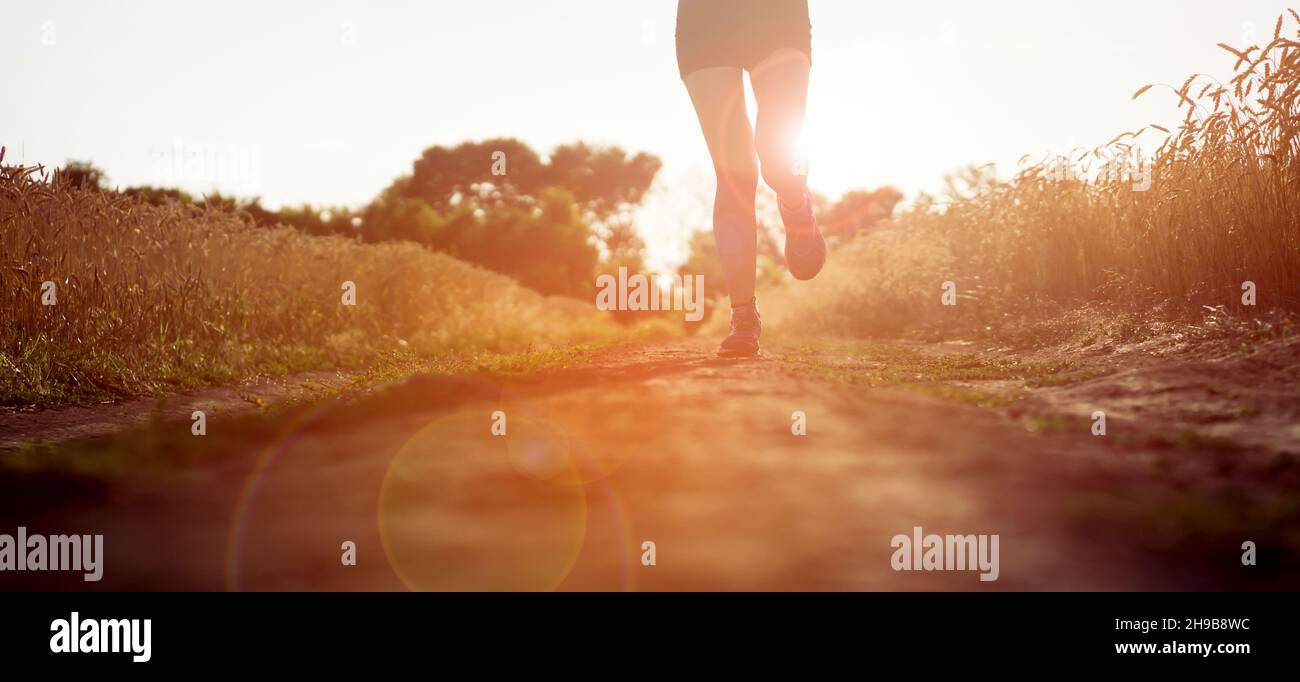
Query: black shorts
739	33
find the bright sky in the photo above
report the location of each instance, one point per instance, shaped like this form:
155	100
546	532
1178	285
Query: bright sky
327	102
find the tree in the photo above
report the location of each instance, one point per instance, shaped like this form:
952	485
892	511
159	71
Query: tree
624	247
442	175
859	211
495	203
604	180
81	175
546	247
321	221
157	196
499	204
703	260
394	218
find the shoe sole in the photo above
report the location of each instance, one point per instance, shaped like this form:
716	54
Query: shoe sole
807	277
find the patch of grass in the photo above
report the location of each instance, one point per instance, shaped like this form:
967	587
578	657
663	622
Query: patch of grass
1053	423
1215	208
966	396
165	446
154	299
1067	377
952	375
889	363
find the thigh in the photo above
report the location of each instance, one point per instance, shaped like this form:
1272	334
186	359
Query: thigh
719	97
781	88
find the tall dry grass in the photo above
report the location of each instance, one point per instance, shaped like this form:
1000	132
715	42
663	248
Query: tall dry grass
1217	204
150	298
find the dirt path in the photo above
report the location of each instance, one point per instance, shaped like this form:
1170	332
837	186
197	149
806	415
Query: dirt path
669	446
22	425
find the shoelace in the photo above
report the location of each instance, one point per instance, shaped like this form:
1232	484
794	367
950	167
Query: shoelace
742	323
801	217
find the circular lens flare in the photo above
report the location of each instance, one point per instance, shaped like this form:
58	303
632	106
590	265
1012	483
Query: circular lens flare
561	438
463	510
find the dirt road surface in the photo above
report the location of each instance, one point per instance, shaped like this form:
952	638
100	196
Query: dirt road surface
664	445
